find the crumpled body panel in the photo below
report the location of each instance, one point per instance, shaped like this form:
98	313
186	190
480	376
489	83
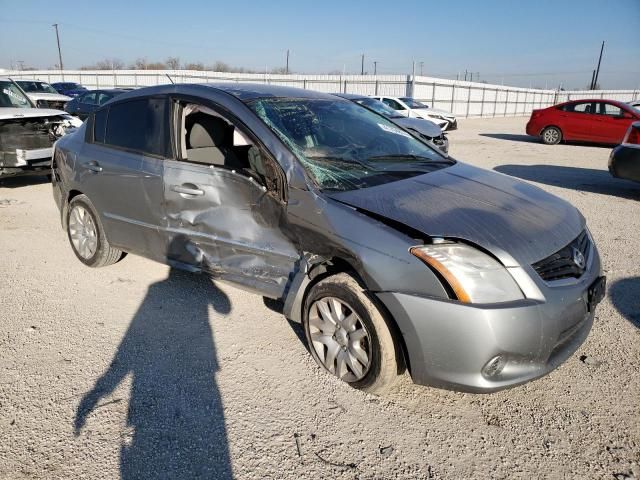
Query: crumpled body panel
233	230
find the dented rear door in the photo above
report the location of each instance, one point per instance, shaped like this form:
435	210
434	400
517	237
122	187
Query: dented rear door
225	224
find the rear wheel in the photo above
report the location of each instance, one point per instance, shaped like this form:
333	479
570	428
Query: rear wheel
348	335
551	136
86	235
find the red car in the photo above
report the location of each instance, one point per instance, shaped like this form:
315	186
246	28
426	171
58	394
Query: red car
598	121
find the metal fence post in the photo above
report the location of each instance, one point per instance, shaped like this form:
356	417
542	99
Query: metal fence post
495	103
484	89
468	101
506	102
304	83
433	93
376	87
453	96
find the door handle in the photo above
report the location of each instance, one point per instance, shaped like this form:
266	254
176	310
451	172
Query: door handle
93	166
188	189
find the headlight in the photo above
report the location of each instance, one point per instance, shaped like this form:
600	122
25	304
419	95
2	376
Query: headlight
474	276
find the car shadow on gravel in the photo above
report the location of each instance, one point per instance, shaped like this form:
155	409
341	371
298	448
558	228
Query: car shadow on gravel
23	181
175	417
575	178
518	137
625	296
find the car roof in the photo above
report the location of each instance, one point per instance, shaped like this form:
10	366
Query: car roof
250	91
350	96
597	100
244	92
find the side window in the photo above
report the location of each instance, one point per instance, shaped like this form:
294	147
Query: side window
393	104
104	98
89	99
610	109
209	138
583	107
99	124
139	125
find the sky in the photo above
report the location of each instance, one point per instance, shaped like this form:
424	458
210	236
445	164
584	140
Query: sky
521	43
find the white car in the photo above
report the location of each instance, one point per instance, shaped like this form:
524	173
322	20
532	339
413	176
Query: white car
43	94
27	133
409	107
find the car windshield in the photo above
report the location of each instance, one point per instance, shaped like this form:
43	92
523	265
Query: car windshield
378	107
344	146
411	103
36	87
11	96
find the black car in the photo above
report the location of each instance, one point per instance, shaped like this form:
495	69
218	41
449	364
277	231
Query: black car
87	103
624	161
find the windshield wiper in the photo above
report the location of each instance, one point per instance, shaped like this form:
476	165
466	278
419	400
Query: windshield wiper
348	161
401	156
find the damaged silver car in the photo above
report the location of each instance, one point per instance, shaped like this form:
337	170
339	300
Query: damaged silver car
27	133
390	254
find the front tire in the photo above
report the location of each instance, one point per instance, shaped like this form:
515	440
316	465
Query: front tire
86	235
348	335
551	136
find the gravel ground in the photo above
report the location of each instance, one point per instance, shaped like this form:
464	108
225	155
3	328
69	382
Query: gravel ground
136	371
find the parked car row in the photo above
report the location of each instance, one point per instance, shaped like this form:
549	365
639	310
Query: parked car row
27	133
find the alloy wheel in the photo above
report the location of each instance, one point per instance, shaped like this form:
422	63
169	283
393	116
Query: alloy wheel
340	339
83	232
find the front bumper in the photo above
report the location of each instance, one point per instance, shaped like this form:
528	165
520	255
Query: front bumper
450	344
25	161
453	124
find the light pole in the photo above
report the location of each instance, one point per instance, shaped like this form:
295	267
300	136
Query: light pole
375	67
55	25
287	67
421	65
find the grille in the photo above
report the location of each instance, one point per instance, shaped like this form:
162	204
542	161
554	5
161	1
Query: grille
565	262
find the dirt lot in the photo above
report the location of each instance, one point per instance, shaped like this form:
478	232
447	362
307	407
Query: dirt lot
134	371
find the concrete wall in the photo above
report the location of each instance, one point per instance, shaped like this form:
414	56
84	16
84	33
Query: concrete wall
465	99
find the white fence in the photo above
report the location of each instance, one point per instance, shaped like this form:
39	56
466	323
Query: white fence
465	99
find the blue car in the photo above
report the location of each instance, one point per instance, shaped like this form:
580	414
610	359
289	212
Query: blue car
71	89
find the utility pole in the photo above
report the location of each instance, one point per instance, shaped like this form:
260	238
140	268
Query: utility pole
55	25
465	75
287	67
477	76
595	80
593	77
362	66
20	64
421	65
375	67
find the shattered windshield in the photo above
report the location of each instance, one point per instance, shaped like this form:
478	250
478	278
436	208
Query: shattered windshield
379	107
344	146
411	103
36	87
12	97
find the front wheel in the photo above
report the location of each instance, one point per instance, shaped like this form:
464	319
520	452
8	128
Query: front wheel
348	335
551	136
86	235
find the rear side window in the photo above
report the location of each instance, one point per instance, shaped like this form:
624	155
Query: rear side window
139	125
582	107
99	124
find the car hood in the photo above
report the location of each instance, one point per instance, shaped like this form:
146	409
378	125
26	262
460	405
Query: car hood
6	113
518	222
420	125
436	111
54	97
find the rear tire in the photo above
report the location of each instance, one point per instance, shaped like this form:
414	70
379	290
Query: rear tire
348	336
551	136
86	235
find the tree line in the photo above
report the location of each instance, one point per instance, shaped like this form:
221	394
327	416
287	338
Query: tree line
171	63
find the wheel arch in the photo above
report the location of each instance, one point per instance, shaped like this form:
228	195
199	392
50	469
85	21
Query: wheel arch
301	285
